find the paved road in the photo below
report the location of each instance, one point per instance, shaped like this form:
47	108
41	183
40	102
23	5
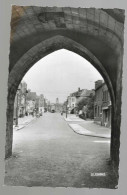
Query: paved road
48	153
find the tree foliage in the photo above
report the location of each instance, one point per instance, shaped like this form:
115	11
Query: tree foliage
89	102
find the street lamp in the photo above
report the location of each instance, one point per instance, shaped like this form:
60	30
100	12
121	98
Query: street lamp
17	108
26	92
33	107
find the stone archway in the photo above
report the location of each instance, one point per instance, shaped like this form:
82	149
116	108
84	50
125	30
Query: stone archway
91	33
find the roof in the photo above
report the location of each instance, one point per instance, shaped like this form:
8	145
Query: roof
100	86
82	92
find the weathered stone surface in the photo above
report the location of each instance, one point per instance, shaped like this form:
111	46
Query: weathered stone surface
91	33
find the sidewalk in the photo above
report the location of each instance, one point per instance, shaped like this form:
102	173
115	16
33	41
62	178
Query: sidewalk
72	117
22	122
87	127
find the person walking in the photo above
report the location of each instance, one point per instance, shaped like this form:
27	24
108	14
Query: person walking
80	113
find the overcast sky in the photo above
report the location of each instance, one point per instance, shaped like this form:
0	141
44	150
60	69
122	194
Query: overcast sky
59	74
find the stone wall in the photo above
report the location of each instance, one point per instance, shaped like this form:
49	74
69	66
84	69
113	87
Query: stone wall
94	34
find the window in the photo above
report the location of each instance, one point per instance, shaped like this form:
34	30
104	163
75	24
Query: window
95	111
98	111
73	99
105	95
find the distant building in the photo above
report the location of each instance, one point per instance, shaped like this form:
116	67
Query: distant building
102	104
58	105
64	107
53	107
27	102
49	106
76	97
30	106
31	95
72	99
38	100
31	102
57	100
41	103
20	104
45	104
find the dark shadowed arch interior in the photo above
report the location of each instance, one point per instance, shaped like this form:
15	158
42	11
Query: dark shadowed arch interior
53	44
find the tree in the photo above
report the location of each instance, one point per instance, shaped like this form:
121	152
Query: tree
89	102
82	102
90	106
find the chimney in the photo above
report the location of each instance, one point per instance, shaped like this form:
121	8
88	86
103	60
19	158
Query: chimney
98	84
79	89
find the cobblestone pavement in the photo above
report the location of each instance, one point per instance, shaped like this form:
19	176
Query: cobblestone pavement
48	153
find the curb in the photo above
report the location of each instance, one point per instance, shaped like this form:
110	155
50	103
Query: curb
27	123
89	134
79	120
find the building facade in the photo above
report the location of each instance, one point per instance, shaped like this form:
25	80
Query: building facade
27	102
71	104
20	104
102	104
76	97
41	103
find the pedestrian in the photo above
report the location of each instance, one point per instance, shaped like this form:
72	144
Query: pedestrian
26	114
14	121
76	112
80	113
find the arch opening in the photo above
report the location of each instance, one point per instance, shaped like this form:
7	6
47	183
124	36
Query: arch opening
43	49
91	64
45	30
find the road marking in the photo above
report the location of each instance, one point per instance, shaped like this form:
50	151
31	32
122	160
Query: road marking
73	119
101	141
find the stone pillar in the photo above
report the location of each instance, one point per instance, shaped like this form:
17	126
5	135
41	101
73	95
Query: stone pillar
116	118
9	126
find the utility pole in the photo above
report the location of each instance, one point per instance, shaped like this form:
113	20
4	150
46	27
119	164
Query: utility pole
66	107
26	92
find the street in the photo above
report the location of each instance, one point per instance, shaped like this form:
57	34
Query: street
48	152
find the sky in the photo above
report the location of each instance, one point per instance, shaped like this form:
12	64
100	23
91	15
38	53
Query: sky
59	74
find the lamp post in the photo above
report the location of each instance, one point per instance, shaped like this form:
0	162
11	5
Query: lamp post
17	108
26	92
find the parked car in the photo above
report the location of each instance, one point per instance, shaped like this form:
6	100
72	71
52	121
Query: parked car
37	115
53	108
52	111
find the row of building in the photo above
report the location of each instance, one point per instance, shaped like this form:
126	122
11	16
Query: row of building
101	106
28	102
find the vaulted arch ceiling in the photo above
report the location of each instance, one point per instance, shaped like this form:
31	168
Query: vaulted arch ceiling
93	28
97	30
46	47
